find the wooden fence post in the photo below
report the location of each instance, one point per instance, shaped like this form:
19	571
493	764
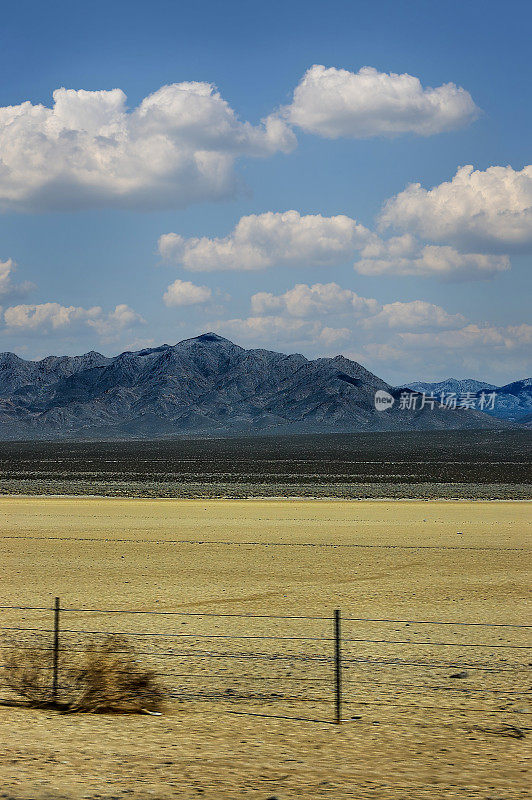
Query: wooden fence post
55	651
337	668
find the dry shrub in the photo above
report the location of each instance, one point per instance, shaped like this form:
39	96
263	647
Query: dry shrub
27	672
112	679
106	676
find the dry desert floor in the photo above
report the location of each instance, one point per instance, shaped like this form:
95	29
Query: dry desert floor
243	639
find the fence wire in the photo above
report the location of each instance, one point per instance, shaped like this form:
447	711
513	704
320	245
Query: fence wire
260	663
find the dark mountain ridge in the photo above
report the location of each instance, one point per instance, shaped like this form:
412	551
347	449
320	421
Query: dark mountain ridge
204	386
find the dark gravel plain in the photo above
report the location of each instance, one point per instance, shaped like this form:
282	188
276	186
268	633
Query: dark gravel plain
450	464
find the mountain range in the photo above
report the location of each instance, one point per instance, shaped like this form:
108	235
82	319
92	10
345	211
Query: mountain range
205	386
512	402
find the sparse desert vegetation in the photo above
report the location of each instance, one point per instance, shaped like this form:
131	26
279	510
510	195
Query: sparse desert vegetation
448	464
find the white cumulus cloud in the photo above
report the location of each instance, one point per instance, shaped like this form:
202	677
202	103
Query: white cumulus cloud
186	293
334	102
271	239
489	211
415	315
47	317
177	147
404	255
111	324
261	241
322	301
320	298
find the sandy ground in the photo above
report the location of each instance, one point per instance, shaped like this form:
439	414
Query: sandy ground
250	708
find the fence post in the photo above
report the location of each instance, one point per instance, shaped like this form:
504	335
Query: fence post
55	651
337	668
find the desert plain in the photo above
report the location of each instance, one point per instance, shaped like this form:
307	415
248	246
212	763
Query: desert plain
245	592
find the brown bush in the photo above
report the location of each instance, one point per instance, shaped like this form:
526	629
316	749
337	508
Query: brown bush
27	672
106	676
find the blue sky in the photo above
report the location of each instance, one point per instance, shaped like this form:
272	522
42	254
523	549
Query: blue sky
435	285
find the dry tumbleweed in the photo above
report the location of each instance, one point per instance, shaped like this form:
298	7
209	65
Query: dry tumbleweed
106	676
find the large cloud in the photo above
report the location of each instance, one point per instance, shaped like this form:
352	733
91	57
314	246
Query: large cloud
404	255
320	298
272	239
487	211
44	318
177	147
260	241
335	102
264	240
331	300
180	144
415	315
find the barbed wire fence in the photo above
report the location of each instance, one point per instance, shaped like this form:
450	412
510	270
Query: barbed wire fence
337	668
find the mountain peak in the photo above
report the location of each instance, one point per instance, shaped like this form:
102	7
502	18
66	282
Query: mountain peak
210	339
210	336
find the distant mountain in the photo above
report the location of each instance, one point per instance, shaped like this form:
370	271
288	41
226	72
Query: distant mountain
206	386
513	402
451	385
